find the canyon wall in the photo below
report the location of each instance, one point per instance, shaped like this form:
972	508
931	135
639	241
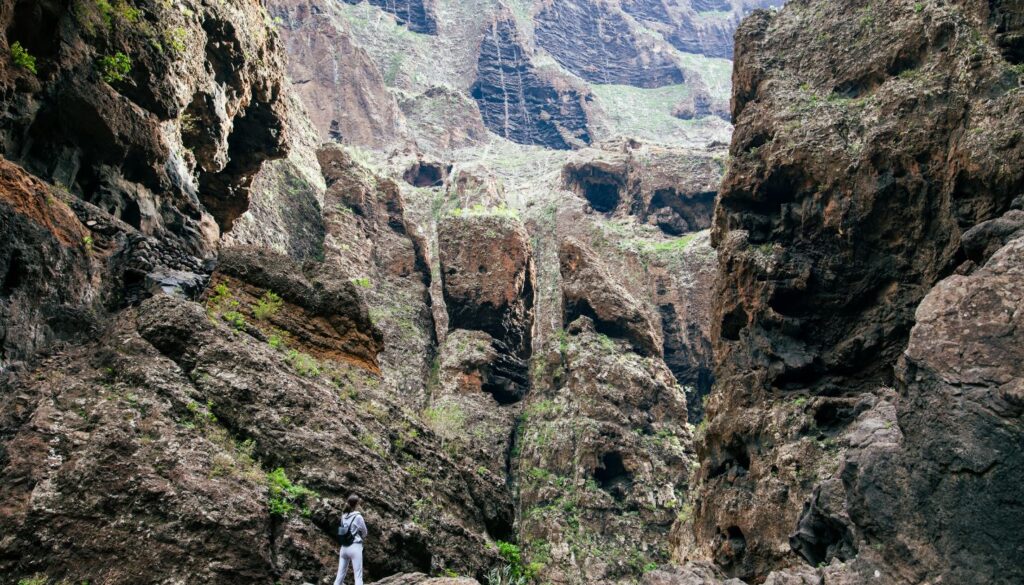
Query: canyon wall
869	214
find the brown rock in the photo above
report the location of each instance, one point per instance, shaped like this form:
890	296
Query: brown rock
589	290
845	206
488	281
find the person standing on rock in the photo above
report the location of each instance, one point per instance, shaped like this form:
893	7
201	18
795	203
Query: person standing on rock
351	534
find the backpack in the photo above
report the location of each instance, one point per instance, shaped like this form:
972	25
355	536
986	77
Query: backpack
347	537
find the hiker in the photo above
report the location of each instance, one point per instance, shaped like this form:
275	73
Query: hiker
351	533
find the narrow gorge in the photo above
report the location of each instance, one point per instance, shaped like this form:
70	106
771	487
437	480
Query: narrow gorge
655	292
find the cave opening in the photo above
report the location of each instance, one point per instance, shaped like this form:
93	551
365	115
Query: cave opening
131	214
603	196
734	460
733	323
426	174
613	477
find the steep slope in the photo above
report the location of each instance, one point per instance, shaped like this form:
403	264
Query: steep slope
866	329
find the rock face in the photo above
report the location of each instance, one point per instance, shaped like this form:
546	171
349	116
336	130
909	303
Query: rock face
595	42
853	187
488	281
214	410
590	290
372	243
125	113
153	152
47	293
418	15
671	188
343	91
603	464
521	103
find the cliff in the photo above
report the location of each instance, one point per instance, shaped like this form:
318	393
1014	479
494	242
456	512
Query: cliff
867	379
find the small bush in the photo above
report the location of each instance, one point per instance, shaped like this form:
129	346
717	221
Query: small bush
362	282
276	341
22	58
286	496
235	319
267	306
37	580
303	363
115	68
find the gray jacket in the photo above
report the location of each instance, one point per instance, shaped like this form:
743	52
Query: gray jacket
360	525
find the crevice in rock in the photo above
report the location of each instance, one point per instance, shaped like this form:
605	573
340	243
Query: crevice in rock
820	537
12	275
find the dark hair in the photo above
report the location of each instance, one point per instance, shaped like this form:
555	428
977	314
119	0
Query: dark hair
351	503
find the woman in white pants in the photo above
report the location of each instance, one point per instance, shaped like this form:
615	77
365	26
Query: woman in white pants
351	523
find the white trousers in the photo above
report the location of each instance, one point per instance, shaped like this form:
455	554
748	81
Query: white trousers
350	555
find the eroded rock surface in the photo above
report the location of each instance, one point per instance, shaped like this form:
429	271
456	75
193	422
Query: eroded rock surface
488	277
853	186
593	41
603	461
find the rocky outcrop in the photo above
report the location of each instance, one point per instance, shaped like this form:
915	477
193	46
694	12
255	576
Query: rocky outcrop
371	242
47	290
594	41
602	461
286	204
177	423
488	276
124	111
671	188
590	290
323	317
845	266
151	136
521	103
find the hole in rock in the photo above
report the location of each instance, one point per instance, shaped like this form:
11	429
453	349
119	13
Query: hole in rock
603	197
732	323
734	459
131	214
35	26
820	536
507	379
400	553
12	276
680	213
425	174
612	475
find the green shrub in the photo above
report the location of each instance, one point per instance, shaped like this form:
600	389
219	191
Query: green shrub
235	319
115	68
276	341
362	282
286	496
303	363
22	58
516	572
37	580
267	306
